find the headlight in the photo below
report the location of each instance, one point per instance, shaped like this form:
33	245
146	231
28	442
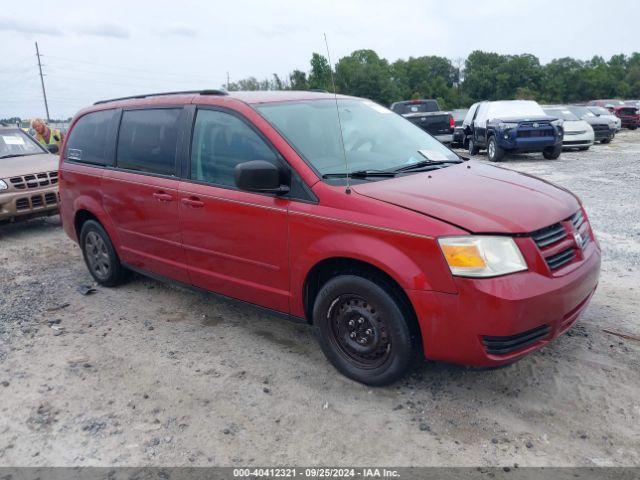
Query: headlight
557	123
480	256
3	185
507	125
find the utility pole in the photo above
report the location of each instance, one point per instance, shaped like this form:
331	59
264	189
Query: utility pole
44	93
227	81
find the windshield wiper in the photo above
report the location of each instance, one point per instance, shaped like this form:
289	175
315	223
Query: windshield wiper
425	164
360	174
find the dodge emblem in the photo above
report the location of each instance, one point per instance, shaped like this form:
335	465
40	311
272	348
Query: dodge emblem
536	125
578	238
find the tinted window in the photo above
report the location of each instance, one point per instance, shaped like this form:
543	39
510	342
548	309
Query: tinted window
220	142
147	140
415	106
92	138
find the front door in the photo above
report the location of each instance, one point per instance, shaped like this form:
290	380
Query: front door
236	242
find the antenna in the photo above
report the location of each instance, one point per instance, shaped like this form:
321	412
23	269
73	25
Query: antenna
335	97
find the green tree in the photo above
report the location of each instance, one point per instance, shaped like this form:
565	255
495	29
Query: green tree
365	74
320	76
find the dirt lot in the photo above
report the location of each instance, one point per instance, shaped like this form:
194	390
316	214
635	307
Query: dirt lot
147	374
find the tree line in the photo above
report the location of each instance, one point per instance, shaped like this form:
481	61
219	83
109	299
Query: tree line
481	76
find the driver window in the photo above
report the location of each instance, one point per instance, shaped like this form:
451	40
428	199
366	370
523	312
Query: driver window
220	142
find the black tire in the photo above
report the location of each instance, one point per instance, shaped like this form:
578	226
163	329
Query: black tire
633	128
473	148
495	153
100	256
605	140
552	153
583	149
364	331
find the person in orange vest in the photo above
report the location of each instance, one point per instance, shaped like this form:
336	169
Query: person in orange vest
45	135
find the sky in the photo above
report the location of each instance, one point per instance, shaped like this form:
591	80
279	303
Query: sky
97	50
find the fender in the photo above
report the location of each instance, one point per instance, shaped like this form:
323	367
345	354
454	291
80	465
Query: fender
410	272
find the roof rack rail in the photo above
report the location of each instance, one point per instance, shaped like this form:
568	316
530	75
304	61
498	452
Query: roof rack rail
146	95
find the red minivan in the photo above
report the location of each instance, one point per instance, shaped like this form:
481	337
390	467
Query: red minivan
332	211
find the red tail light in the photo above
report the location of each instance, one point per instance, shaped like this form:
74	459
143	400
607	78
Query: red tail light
452	122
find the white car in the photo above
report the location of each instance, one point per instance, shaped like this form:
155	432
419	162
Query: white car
614	122
577	133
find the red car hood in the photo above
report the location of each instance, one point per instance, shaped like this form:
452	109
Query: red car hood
478	197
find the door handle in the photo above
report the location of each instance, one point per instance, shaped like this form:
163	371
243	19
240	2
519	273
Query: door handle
194	202
162	197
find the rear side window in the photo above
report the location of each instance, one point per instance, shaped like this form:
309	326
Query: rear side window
92	138
220	142
147	140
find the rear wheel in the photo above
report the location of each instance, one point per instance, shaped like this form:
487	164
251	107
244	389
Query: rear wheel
633	127
605	140
494	151
100	256
583	149
364	330
552	153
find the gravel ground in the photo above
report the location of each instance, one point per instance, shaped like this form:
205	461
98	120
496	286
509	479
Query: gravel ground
148	374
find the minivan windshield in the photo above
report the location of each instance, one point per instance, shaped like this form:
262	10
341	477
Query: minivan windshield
374	137
16	143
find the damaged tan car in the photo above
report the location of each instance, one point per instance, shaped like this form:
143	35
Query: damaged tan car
28	177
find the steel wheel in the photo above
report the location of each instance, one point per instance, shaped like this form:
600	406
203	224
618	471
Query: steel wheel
359	331
97	255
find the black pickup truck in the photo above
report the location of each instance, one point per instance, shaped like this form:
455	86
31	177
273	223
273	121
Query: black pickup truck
427	115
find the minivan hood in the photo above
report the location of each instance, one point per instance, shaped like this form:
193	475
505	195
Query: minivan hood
477	197
38	163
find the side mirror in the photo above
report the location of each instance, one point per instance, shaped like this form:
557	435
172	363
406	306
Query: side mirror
53	148
260	176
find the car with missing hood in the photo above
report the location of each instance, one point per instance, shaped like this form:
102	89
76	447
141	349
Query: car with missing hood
628	114
578	134
512	126
332	211
28	177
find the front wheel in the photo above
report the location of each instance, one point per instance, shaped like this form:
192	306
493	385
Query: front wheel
633	128
552	153
364	330
473	148
494	151
606	140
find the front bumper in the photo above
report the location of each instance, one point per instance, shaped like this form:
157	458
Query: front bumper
509	141
630	122
28	203
455	327
580	140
